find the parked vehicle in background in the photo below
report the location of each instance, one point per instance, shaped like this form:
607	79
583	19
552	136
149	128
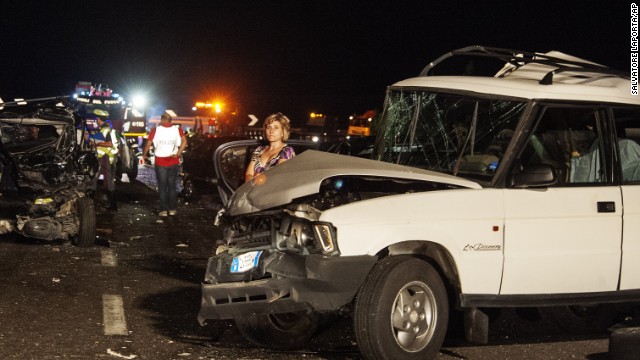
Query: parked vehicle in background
47	175
483	192
360	125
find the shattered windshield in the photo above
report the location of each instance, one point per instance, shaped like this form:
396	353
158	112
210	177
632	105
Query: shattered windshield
453	134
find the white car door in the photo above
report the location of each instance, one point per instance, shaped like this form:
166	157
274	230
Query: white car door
565	238
630	269
562	240
627	122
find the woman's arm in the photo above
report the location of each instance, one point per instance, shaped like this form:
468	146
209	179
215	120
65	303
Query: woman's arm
250	172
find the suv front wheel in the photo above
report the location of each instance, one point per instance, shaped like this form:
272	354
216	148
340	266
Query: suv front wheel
401	311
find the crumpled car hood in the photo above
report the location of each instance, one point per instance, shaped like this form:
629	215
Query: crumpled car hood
302	176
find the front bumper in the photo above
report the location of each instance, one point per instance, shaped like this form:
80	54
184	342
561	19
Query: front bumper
309	282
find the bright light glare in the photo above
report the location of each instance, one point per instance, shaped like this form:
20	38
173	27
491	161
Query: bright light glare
139	101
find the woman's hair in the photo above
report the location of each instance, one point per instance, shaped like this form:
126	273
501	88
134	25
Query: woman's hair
283	120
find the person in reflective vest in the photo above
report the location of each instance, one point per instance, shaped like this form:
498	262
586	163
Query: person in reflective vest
107	150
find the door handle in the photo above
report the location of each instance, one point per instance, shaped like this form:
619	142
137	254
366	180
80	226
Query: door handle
606	206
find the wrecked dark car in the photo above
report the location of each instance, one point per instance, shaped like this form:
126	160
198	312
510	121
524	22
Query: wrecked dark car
47	175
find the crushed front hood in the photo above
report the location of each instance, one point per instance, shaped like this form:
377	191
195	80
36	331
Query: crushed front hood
302	176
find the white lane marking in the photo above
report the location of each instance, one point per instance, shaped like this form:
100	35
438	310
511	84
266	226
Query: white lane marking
108	258
113	313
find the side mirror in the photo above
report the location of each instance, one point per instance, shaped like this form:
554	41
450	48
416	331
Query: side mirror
535	175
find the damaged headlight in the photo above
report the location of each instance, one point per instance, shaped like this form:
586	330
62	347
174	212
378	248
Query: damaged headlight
325	235
310	236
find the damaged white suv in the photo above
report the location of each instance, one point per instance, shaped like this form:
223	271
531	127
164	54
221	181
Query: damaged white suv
520	189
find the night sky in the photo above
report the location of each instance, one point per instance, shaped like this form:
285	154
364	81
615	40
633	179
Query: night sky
335	57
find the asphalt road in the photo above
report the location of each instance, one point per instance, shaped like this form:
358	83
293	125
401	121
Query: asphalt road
135	295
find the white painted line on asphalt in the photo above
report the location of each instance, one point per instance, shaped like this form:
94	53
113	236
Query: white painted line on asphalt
108	258
113	313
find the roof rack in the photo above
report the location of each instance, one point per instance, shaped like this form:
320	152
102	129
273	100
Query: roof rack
517	58
22	102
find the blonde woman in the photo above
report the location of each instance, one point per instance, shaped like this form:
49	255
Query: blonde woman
276	130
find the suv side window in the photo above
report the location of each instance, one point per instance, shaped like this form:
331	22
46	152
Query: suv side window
627	122
569	139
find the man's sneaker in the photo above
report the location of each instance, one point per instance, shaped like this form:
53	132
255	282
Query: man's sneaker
173	212
162	213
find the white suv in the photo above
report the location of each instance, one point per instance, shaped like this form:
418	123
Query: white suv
520	189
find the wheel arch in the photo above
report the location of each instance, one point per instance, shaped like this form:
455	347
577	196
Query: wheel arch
434	253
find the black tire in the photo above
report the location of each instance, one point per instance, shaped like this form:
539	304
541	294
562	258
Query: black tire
86	217
623	343
280	331
133	173
579	320
380	320
119	172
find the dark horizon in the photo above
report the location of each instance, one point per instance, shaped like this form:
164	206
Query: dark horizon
334	57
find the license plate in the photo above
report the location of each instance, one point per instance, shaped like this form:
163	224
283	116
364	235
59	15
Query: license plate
246	261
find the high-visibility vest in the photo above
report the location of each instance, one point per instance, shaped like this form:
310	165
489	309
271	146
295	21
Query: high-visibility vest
112	150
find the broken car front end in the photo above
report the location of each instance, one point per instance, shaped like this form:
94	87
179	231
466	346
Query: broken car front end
280	261
278	254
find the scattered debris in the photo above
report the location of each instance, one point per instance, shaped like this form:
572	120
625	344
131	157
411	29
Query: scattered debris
55	280
182	245
111	352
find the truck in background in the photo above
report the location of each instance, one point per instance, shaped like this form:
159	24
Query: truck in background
129	119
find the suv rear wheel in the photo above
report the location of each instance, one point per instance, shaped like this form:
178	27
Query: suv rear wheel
401	311
584	319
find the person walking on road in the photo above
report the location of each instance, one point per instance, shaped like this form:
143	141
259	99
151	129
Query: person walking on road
168	142
107	152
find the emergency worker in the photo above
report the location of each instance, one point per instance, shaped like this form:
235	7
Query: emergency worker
107	151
